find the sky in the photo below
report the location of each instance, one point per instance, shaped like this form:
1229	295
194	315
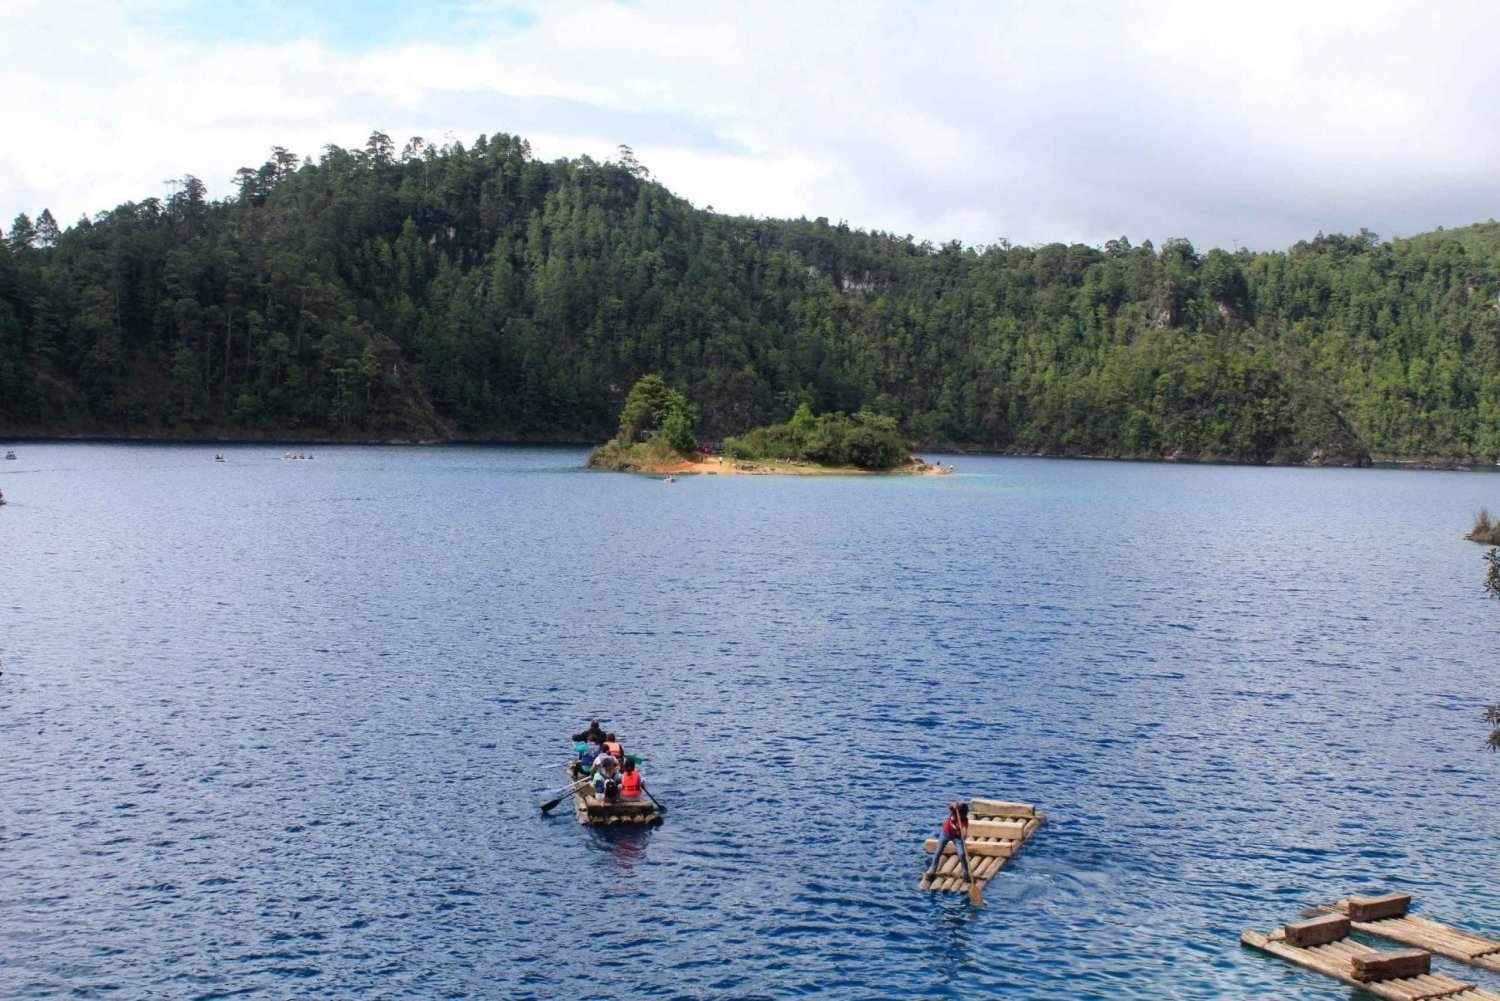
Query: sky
1232	125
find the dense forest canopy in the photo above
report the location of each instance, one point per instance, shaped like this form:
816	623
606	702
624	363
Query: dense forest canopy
477	292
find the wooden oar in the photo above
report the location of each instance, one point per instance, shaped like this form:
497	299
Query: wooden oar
659	808
551	804
976	897
563	788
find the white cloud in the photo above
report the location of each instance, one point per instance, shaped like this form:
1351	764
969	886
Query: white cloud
1032	121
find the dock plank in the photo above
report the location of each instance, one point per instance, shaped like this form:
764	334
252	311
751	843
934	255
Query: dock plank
999	808
975	848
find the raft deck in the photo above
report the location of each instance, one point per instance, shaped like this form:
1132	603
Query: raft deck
997	830
593	811
1323	946
1386	917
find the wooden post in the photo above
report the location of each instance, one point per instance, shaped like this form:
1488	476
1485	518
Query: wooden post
1391	965
1318	931
1392	905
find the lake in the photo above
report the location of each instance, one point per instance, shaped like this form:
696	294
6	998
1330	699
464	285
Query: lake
280	729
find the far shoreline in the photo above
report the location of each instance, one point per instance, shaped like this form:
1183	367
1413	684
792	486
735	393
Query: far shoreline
1388	462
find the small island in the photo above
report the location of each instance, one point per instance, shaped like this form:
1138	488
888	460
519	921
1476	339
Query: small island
657	435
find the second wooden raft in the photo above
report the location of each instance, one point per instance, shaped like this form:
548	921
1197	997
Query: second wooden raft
997	830
1387	917
1323	945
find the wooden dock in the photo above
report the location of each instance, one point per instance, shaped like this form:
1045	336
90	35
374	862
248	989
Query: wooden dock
997	830
1386	917
1323	946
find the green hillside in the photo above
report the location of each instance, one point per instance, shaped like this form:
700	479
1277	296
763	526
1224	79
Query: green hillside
480	293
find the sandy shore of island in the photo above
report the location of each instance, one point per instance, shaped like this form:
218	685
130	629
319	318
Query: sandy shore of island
715	465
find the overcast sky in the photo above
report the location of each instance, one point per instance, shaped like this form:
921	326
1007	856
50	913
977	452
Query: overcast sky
1232	125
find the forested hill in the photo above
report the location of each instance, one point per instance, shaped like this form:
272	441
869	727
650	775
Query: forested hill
480	293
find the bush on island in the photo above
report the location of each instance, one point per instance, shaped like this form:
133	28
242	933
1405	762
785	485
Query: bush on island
657	427
864	440
655	410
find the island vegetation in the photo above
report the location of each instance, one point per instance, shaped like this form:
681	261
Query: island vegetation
656	430
475	292
656	436
862	441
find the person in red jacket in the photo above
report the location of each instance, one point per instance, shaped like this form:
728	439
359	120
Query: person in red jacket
955	829
630	781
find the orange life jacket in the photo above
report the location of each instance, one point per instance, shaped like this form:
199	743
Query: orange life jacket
613	747
630	784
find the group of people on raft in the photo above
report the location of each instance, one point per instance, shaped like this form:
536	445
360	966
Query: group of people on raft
614	775
604	763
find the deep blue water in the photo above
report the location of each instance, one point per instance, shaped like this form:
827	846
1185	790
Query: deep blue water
279	729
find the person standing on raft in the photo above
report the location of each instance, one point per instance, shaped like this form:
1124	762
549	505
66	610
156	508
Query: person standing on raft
595	734
955	829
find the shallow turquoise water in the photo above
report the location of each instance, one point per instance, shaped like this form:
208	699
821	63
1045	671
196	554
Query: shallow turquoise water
279	729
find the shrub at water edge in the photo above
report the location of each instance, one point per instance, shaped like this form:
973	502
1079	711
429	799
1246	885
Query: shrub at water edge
1484	530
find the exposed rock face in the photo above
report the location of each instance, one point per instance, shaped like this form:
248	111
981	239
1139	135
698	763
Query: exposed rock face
1166	307
863	282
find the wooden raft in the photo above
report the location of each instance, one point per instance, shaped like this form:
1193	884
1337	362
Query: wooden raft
593	811
997	830
1323	945
1386	917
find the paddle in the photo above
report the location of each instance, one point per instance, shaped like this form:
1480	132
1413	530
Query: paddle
552	804
659	808
565	788
976	897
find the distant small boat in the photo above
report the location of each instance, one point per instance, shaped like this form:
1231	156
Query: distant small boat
10	454
218	458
